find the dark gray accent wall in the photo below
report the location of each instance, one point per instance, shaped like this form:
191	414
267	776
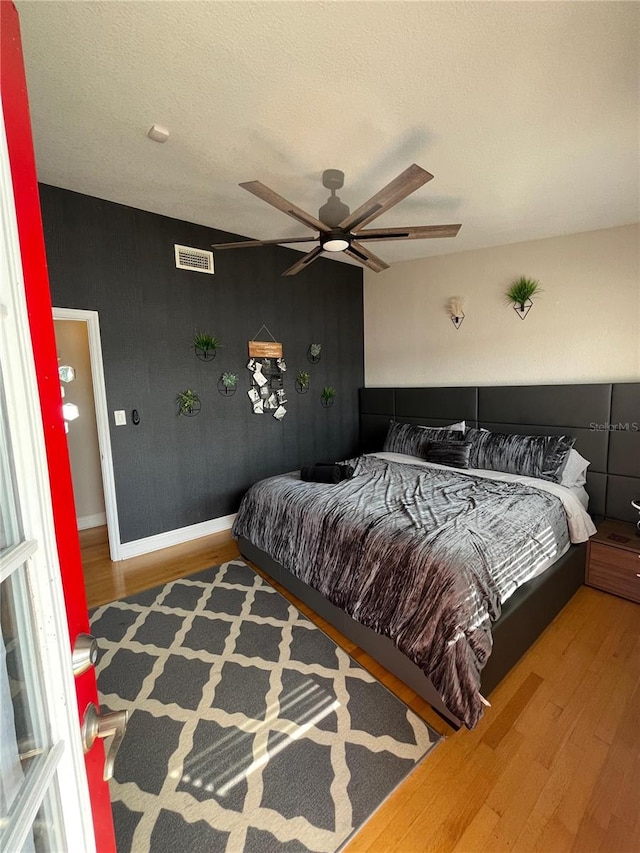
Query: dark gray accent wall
174	471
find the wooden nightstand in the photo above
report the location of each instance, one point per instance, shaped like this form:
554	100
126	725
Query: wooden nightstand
613	559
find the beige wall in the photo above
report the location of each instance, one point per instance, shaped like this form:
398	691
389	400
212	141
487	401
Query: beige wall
72	341
584	327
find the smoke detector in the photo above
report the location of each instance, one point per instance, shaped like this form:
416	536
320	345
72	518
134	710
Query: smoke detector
158	133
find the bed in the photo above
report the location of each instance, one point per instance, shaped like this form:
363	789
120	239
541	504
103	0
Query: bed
518	607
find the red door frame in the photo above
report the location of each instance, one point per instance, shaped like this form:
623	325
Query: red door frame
15	105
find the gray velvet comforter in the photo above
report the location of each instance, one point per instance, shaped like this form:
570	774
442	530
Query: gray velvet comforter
423	556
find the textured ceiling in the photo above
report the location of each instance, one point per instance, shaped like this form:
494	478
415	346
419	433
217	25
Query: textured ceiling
526	112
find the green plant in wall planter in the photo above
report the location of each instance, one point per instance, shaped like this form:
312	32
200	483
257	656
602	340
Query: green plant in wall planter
520	294
188	403
314	352
228	383
302	382
327	396
206	346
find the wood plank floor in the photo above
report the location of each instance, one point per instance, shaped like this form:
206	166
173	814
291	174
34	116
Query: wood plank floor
553	766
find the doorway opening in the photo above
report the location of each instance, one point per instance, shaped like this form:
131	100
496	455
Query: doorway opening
87	419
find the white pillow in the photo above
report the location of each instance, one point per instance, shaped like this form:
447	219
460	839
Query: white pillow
461	426
574	470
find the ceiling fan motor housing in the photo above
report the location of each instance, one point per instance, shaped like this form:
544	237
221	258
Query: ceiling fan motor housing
333	212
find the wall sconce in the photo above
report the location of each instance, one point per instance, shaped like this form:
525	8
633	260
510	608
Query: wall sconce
456	305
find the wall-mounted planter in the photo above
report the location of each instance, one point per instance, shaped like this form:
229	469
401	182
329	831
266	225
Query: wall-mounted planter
327	396
206	346
523	309
205	355
456	310
192	412
314	353
226	390
520	294
228	384
189	403
302	382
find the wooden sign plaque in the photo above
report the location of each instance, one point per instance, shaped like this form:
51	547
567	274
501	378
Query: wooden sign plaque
265	349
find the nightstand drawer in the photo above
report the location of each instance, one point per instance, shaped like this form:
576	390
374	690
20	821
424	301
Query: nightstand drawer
615	557
618	579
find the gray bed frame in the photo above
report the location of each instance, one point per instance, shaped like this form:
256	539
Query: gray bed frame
605	420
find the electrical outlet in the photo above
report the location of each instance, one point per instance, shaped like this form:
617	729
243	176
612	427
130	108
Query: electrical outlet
120	417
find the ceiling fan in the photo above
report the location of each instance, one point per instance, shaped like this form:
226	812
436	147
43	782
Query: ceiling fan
339	229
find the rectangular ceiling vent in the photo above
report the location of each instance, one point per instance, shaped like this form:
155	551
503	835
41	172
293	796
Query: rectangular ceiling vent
199	260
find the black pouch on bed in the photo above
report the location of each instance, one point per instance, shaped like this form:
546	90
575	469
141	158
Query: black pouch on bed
346	471
321	474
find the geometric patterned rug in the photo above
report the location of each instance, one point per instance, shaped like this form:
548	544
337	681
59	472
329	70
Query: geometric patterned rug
249	730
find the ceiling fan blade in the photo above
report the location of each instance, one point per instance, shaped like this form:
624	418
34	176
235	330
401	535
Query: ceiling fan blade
285	206
304	261
402	186
413	232
360	253
249	244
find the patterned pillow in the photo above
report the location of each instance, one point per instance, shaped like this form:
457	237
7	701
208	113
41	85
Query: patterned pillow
540	456
413	439
452	453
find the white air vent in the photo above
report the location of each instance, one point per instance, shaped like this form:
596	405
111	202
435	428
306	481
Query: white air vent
188	258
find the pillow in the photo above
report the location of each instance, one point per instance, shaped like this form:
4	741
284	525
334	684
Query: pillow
574	471
452	453
540	456
413	440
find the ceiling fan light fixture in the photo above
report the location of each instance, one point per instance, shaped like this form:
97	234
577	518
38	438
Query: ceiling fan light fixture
335	244
335	240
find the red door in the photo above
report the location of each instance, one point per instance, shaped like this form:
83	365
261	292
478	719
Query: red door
27	208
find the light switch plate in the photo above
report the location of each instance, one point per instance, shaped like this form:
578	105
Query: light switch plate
120	417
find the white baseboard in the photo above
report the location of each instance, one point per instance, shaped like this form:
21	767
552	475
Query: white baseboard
86	521
174	537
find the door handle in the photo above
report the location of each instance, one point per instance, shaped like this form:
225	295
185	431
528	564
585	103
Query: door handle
112	725
85	653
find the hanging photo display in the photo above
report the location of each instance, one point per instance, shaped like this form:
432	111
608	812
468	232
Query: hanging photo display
267	367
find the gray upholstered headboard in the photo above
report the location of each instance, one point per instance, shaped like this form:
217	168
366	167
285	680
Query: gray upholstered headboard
604	418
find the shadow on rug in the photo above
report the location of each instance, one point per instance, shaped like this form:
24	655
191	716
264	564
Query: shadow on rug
249	730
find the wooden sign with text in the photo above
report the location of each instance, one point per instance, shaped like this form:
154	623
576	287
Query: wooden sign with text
265	349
